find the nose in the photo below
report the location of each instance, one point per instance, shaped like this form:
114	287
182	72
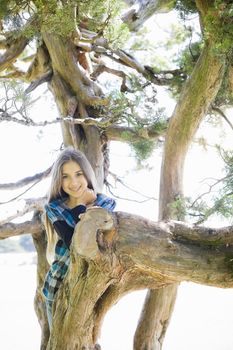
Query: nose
73	182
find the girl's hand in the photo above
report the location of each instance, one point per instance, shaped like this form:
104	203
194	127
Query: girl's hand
88	196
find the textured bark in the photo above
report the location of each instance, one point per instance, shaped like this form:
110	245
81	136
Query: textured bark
195	99
141	10
11	229
108	249
155	316
39	303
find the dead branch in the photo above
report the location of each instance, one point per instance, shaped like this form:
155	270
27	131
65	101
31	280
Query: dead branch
30	204
222	114
102	68
117	179
26	181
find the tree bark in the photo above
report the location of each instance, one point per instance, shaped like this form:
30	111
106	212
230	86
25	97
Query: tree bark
39	303
142	10
195	99
108	249
155	315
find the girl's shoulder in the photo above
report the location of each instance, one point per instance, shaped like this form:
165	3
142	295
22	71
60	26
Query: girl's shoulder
55	209
105	202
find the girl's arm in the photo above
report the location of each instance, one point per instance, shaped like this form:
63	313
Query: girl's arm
65	231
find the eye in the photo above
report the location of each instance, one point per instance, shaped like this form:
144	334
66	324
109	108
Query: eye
64	177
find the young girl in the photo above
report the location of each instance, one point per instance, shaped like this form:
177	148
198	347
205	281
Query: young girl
73	189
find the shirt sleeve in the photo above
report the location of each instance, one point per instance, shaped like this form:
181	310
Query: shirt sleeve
105	202
65	231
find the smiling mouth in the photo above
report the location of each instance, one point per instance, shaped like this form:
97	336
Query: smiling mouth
75	190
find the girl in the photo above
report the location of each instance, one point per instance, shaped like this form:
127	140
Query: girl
73	189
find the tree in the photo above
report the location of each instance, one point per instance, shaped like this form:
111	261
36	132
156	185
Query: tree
125	252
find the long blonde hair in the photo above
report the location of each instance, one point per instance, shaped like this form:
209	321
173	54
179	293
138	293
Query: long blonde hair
56	191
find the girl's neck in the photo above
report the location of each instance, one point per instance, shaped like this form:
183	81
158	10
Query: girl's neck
72	203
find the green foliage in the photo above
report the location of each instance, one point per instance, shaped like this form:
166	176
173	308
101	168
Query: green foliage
143	149
228	159
179	34
4	8
104	17
178	208
186	61
219	27
12	8
55	16
14	101
62	17
15	13
136	108
116	33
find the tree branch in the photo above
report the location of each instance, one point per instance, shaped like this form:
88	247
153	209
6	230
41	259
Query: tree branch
117	133
33	227
222	114
14	45
26	181
141	10
30	204
177	250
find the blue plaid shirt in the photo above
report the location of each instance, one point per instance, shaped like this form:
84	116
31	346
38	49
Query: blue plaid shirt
57	210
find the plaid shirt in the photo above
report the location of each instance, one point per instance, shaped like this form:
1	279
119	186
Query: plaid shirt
56	210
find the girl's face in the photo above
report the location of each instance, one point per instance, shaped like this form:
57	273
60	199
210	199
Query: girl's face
74	182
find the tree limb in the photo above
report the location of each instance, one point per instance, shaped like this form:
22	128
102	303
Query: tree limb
142	10
14	45
117	133
30	204
124	252
26	181
28	227
222	114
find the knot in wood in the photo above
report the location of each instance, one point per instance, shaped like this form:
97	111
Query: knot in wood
94	233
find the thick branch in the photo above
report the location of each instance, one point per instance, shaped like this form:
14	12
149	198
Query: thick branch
115	253
30	227
11	54
15	44
64	63
198	93
141	10
117	133
175	250
168	249
122	57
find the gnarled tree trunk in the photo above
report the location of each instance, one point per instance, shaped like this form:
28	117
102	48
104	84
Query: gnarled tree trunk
125	252
195	99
